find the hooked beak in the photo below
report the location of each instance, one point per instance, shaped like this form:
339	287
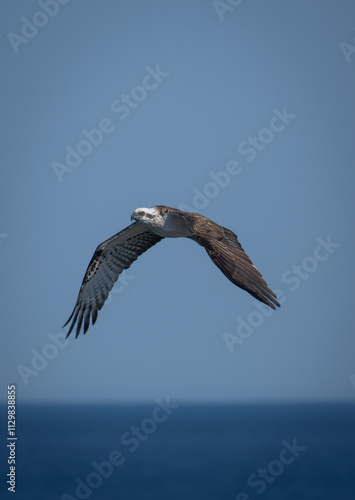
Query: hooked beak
133	217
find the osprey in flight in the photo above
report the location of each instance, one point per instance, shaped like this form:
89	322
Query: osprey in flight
152	225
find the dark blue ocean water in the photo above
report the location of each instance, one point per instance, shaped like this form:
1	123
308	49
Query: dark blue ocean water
199	452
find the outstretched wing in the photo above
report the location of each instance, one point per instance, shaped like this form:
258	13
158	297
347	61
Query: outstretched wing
235	264
226	252
109	260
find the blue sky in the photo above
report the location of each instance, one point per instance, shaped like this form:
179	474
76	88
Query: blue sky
244	113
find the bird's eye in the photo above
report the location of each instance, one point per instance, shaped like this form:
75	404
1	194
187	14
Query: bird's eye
141	213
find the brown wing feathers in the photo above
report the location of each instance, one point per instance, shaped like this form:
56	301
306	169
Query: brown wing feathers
226	252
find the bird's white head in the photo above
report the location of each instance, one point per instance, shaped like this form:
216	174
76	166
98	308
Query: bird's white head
149	216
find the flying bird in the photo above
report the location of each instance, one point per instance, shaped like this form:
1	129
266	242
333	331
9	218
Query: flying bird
151	226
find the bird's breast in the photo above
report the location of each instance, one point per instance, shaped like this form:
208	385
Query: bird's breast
173	226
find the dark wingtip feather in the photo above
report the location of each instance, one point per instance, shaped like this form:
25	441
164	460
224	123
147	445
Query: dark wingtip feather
87	320
80	320
70	317
273	299
269	298
70	329
75	313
